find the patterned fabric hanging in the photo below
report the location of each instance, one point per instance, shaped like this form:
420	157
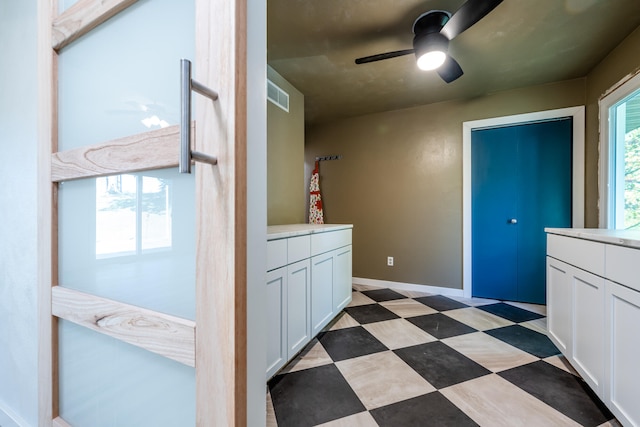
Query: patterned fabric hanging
316	216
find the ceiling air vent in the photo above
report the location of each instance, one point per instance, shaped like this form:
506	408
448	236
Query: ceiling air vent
277	96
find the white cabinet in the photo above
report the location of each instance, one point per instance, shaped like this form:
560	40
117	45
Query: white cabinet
622	266
288	319
587	351
298	305
276	320
342	276
330	276
575	319
322	267
559	304
583	254
330	285
276	254
308	283
622	319
326	242
593	297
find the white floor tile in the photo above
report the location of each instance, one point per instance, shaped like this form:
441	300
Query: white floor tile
382	378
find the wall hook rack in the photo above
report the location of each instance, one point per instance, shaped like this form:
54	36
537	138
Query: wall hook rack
324	158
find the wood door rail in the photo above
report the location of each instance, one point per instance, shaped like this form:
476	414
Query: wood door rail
82	17
170	336
155	149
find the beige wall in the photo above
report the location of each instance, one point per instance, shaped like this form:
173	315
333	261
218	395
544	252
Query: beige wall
621	62
285	157
400	180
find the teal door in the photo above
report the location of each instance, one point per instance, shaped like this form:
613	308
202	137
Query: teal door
521	183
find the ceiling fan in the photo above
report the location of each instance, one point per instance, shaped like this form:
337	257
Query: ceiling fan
433	31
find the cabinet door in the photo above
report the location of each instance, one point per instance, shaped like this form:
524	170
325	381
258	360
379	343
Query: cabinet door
559	304
342	278
276	320
298	306
322	267
622	317
587	353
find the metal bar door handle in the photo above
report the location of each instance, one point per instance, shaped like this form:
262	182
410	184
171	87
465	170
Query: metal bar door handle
187	84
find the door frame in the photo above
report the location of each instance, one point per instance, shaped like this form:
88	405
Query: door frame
577	202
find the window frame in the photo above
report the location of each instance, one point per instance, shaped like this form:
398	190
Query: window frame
606	192
139	249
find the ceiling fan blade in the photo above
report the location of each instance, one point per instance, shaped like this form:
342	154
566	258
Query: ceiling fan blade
450	70
468	14
381	56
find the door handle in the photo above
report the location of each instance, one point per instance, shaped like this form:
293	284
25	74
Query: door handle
187	84
513	221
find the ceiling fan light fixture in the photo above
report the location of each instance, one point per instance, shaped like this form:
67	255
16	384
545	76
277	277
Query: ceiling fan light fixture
431	50
432	32
431	60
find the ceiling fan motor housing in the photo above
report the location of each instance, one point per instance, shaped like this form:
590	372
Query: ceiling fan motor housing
427	32
429	42
431	22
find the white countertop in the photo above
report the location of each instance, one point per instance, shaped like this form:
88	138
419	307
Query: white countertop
630	238
291	230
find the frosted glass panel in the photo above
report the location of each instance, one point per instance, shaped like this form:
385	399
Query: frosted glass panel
131	238
107	383
65	4
123	78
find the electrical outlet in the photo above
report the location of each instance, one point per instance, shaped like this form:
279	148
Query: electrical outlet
390	261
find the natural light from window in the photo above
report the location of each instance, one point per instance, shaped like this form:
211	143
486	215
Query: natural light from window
133	215
624	127
619	170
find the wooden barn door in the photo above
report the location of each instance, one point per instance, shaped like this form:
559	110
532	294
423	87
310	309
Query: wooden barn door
144	304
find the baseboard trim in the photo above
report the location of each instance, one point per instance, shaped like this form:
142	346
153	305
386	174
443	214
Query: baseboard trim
10	419
408	286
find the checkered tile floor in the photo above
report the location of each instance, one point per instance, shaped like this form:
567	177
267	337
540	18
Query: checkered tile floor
398	358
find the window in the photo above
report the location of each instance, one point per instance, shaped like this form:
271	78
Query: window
133	215
620	157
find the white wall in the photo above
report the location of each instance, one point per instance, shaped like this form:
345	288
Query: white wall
256	210
18	267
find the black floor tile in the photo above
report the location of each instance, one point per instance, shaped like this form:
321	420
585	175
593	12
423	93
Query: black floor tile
348	343
370	313
312	396
383	295
440	365
441	303
560	390
431	409
509	312
525	339
440	326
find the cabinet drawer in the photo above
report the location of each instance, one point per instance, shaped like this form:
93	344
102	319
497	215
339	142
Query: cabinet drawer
581	253
298	248
276	253
622	266
325	242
